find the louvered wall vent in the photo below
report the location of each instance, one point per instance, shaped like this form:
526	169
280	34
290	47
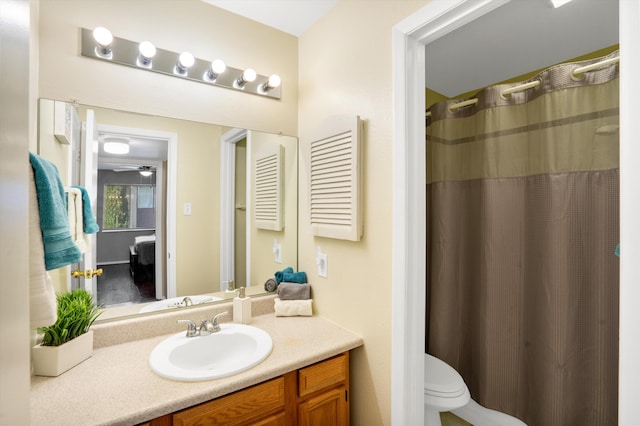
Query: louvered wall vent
335	180
268	190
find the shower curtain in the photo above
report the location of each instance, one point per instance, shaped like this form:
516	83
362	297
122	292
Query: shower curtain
522	229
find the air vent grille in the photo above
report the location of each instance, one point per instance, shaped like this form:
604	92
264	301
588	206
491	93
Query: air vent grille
268	191
335	182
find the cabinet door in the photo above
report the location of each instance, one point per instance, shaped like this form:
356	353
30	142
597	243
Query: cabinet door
327	409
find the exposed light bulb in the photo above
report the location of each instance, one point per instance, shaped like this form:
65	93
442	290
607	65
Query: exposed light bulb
185	61
273	82
247	76
217	67
103	38
146	51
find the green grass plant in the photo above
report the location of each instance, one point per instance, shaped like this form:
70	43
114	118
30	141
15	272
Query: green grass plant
76	312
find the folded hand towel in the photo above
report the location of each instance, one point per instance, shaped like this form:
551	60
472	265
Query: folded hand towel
279	274
294	291
292	308
294	277
88	220
59	248
43	307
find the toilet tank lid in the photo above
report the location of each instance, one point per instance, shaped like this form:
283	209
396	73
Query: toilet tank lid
441	377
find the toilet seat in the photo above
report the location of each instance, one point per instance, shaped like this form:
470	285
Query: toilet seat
444	388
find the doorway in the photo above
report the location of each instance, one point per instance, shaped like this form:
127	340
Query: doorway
136	235
408	301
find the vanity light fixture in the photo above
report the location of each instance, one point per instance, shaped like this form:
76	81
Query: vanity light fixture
248	76
145	56
217	67
273	82
115	145
146	52
185	61
103	39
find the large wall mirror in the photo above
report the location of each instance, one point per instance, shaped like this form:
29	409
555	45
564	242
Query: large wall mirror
177	211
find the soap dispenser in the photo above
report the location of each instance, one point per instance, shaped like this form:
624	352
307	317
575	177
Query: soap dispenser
241	307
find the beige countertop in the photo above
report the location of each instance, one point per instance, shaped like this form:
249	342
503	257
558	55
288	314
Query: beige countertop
116	386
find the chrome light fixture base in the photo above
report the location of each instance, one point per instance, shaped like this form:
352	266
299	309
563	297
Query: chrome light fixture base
126	52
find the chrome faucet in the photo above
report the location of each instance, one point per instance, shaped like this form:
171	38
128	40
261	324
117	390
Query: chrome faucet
206	327
214	321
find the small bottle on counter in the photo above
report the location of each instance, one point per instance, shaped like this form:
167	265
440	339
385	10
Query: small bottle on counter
241	307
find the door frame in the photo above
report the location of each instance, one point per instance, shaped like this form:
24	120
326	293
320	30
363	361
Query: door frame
168	228
228	142
409	202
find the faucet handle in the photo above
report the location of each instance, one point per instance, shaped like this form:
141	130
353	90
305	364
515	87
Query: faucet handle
207	327
214	322
192	330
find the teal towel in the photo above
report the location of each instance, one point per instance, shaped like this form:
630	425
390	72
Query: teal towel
294	277
89	225
59	248
279	274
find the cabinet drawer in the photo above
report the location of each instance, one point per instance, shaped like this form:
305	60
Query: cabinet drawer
323	374
240	407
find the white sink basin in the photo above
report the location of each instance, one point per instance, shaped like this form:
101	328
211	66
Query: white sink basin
233	349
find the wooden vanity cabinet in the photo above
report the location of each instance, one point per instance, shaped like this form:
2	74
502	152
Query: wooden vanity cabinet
317	395
323	393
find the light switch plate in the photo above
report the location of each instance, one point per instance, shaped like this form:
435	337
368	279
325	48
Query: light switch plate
322	262
187	209
277	251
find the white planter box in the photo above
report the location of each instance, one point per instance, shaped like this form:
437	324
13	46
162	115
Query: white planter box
55	360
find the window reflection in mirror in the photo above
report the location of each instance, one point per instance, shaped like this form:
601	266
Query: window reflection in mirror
128	207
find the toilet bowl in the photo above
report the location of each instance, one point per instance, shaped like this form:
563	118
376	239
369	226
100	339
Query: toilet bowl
445	390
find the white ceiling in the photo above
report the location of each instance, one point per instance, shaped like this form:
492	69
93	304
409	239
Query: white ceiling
516	38
290	16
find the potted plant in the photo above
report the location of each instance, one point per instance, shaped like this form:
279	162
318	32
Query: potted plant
69	341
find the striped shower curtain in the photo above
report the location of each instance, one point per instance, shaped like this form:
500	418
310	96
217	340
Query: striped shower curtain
523	224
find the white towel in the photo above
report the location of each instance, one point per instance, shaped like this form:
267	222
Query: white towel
292	308
42	296
76	219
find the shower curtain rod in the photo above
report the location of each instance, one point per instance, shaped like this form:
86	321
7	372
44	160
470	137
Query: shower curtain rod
534	84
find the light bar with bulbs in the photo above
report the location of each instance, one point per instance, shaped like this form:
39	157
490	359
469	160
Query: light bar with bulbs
101	44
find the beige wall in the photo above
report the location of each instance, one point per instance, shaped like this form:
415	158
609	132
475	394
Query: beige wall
345	69
175	25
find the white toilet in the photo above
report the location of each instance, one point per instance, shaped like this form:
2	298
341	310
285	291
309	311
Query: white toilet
444	390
